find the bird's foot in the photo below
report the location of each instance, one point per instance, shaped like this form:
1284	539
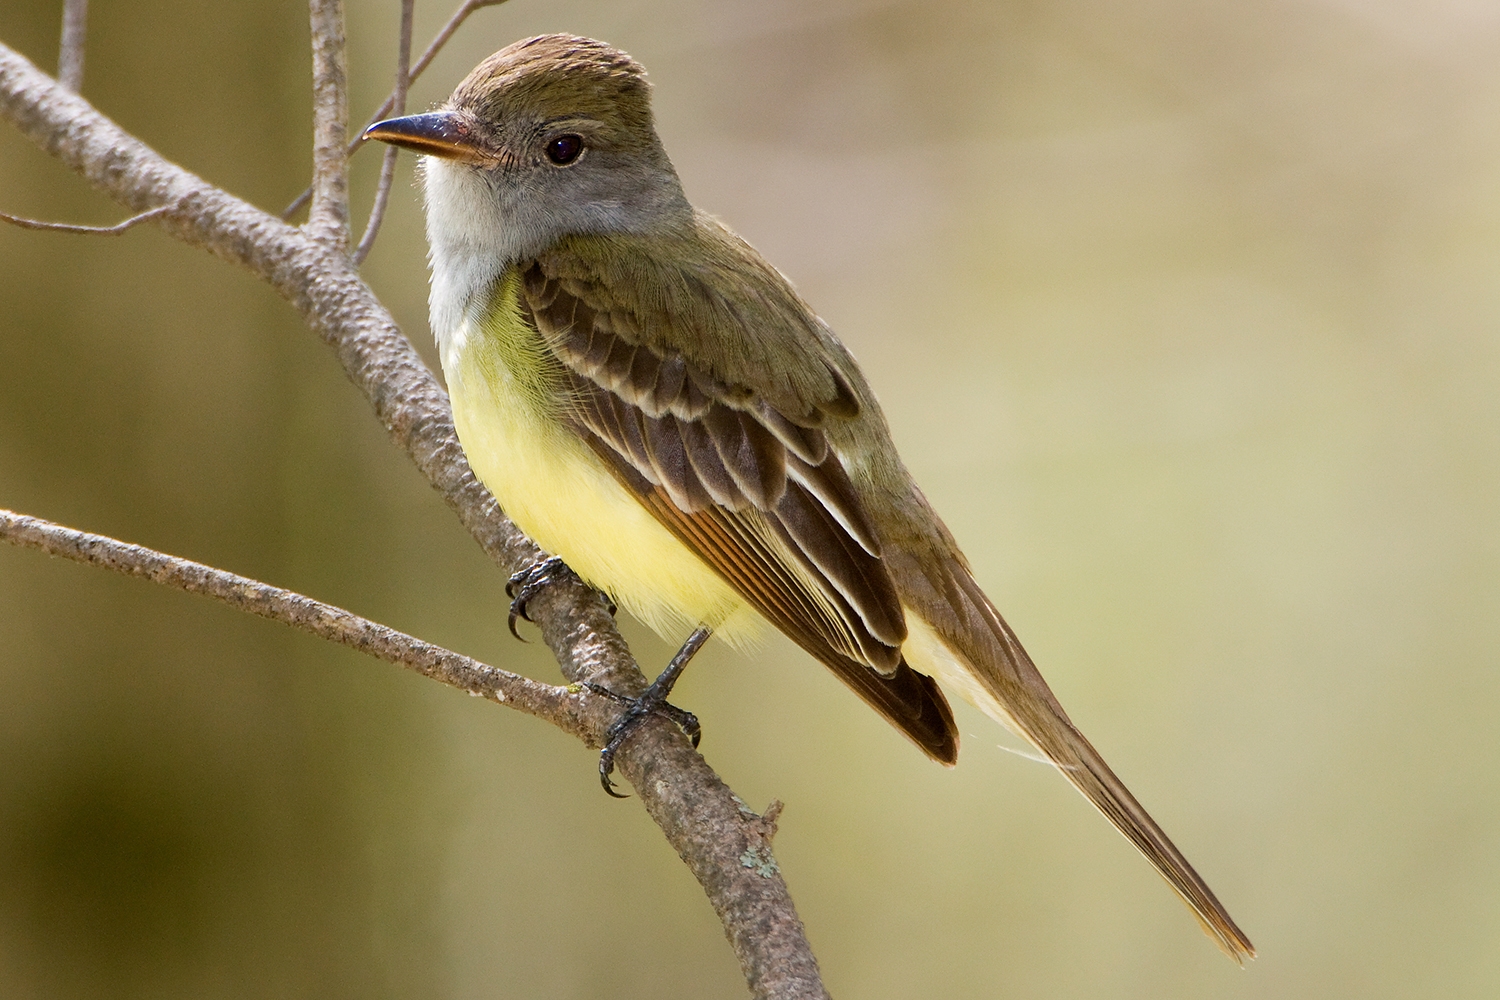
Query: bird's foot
527	583
652	701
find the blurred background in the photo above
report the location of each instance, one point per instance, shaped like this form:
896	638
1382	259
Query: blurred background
1185	317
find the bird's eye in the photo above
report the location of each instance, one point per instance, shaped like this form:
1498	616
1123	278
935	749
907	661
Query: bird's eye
565	149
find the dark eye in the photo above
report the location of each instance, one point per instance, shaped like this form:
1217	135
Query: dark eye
564	149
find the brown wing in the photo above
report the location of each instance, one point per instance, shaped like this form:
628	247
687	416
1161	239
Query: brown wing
757	493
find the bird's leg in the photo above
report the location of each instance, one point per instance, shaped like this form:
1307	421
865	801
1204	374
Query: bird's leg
653	700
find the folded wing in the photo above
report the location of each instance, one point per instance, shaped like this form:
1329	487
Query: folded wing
753	489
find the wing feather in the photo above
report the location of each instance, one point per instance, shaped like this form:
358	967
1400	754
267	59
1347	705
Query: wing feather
755	490
807	443
755	460
709	466
909	700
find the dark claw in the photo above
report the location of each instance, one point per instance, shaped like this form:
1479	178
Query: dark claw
652	700
607	765
526	584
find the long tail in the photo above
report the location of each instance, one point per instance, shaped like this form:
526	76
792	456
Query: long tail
976	652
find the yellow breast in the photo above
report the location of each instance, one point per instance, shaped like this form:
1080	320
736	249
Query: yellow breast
506	401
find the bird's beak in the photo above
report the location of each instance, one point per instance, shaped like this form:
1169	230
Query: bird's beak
438	133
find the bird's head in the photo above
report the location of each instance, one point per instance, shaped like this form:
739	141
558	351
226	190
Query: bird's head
549	137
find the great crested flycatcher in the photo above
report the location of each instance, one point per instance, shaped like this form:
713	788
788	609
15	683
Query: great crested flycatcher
652	401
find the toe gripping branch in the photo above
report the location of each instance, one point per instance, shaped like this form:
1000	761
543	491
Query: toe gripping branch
652	701
531	580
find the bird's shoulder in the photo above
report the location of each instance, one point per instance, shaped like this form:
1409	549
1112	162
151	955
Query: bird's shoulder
700	298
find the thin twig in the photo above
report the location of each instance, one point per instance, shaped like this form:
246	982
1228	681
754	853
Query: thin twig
377	210
708	827
68	227
70	50
441	39
329	218
557	705
388	165
298	203
433	48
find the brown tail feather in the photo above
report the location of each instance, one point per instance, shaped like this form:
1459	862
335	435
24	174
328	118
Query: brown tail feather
977	652
1082	765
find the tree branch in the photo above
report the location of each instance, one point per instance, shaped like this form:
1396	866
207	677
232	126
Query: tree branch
709	827
329	218
68	227
388	165
568	710
70	49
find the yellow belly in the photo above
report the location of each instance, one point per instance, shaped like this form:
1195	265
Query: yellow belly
562	495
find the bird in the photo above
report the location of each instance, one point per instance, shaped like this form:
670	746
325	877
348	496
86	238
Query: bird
655	404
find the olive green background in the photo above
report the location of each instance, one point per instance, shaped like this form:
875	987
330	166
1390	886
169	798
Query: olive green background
1184	315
